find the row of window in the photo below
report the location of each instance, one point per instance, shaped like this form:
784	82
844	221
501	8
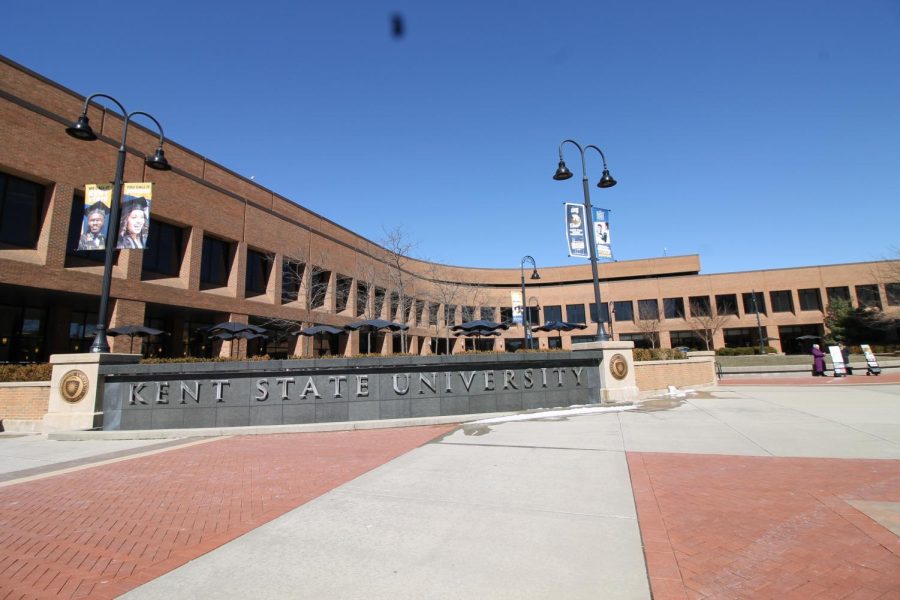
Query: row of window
21	205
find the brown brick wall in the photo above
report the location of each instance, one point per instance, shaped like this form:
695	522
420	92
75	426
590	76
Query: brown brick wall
658	375
204	198
24	402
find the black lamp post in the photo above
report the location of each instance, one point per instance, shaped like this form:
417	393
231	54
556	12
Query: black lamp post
81	130
534	275
606	181
759	332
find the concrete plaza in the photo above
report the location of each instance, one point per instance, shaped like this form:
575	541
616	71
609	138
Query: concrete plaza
773	491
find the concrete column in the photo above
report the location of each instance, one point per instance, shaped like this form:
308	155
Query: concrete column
76	390
617	382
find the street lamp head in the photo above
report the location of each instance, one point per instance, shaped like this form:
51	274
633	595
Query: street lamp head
606	181
81	129
534	274
562	172
158	161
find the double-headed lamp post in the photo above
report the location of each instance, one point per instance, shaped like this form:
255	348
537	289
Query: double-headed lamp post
534	275
81	130
606	181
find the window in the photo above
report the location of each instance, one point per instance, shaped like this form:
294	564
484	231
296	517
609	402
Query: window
754	301
686	339
362	298
867	295
163	251
673	308
216	262
740	337
257	276
291	278
468	313
342	287
838	293
433	313
395	305
574	313
893	293
810	299
487	313
534	315
20	211
553	313
506	314
641	340
782	301
379	302
318	286
604	310
449	314
700	306
82	327
623	310
726	304
648	310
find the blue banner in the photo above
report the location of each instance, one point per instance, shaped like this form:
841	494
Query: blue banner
576	230
601	232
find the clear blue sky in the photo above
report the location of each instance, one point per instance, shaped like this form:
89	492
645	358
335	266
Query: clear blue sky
757	134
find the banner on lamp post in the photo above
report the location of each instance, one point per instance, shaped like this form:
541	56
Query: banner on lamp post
95	224
576	230
517	307
601	232
134	222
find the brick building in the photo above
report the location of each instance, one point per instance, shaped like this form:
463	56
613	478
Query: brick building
225	248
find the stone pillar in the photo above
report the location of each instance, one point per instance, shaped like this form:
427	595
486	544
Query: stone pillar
617	382
76	390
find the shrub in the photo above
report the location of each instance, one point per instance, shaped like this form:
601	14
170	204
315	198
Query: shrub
34	372
658	354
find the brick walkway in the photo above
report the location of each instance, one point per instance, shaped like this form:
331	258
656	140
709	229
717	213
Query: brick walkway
725	527
101	531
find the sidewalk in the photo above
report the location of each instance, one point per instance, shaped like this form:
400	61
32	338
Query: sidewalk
737	492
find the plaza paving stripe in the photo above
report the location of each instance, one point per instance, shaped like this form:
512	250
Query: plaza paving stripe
724	527
101	531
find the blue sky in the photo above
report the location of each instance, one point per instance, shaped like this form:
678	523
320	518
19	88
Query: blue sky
759	135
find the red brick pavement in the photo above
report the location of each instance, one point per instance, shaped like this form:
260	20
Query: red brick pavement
758	527
101	531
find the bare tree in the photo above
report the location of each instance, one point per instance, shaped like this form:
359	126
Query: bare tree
444	293
704	323
304	286
650	328
399	248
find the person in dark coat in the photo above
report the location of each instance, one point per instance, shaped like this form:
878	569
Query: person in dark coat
818	361
845	353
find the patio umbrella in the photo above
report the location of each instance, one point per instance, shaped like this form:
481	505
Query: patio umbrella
230	327
244	334
371	325
376	324
315	330
133	330
482	324
560	326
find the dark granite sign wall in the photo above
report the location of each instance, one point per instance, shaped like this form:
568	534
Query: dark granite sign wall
229	394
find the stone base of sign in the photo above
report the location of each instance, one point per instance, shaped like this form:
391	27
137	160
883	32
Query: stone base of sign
617	381
76	390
